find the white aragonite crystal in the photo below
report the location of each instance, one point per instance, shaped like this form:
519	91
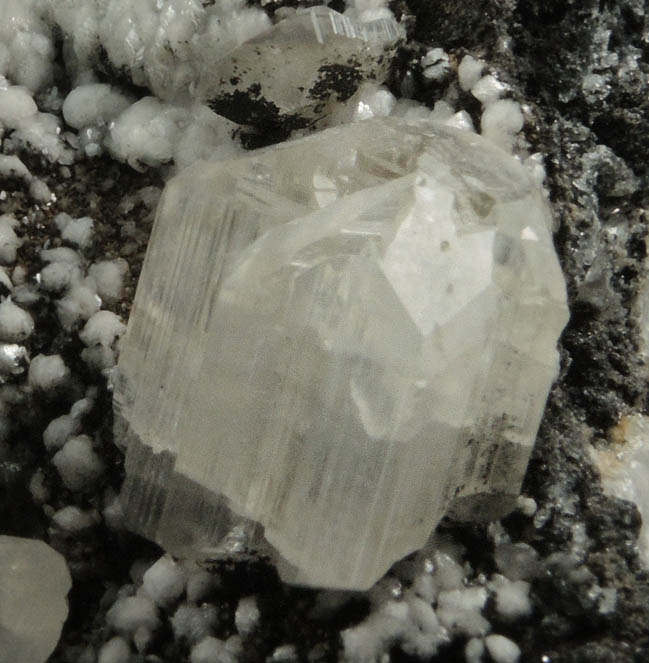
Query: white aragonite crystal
34	582
145	132
78	464
116	650
16	324
164	581
160	45
47	372
16	103
27	44
72	519
502	649
130	613
469	72
102	329
335	342
9	241
94	104
108	276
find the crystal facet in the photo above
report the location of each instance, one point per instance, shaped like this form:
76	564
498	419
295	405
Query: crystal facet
287	74
335	342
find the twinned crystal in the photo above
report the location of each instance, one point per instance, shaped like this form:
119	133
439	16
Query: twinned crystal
335	342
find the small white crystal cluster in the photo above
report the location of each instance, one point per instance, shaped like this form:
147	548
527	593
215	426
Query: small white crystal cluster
79	288
427	603
432	600
180	594
437	597
138	36
165	47
76	287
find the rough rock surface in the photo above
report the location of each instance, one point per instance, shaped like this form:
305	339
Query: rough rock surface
582	69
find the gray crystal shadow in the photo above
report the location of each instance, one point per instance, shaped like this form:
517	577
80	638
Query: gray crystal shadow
178	513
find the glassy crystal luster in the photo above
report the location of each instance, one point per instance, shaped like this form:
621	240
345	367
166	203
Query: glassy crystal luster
287	74
335	342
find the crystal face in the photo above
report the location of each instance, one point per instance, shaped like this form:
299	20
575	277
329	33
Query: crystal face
335	342
287	74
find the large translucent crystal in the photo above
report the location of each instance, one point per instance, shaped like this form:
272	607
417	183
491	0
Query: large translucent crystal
287	74
335	342
34	582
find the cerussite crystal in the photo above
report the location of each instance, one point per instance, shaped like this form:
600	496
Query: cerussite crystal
287	74
335	342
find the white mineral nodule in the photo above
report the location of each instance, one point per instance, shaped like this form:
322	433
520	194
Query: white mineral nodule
336	341
34	582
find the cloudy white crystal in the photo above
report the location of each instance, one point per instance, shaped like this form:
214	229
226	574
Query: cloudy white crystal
47	372
340	338
193	622
130	613
164	581
34	582
78	464
26	44
502	649
211	650
72	519
116	650
145	133
16	324
16	103
9	241
102	329
94	104
323	54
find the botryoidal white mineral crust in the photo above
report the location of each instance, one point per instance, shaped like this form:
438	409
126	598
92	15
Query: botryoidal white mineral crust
335	342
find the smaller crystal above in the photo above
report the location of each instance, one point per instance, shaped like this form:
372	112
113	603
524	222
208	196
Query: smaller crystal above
287	75
34	582
335	342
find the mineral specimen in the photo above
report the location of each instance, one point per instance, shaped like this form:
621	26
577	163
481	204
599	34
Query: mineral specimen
335	342
34	582
286	75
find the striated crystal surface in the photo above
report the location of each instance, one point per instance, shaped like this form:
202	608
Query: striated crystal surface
34	582
287	74
335	342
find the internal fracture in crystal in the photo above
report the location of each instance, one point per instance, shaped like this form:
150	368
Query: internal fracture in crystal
335	342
